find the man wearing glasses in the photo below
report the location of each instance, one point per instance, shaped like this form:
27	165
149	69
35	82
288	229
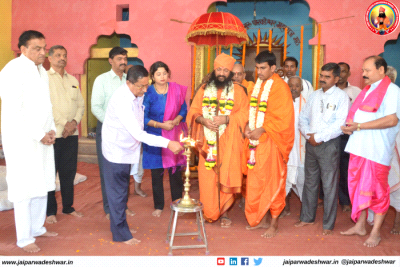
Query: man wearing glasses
123	134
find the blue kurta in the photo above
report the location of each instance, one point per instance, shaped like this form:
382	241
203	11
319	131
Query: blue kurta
154	110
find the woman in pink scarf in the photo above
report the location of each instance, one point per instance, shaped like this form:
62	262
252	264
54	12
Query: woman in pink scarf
164	115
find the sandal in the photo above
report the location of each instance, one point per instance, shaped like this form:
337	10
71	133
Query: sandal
226	222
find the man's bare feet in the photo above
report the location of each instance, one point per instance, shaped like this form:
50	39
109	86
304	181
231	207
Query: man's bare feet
226	222
327	232
132	241
31	248
138	190
372	241
301	224
355	230
346	208
271	232
157	213
108	216
396	226
49	234
260	225
130	212
51	219
75	213
284	213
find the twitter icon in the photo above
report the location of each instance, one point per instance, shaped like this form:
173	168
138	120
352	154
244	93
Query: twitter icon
257	261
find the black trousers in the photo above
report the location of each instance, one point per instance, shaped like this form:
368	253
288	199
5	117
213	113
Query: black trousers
344	198
66	159
175	181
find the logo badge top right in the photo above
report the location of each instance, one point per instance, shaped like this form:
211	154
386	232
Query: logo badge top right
382	17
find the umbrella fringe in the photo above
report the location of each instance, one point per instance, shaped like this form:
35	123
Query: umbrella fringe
214	31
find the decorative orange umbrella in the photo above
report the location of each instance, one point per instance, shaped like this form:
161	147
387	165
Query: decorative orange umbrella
217	28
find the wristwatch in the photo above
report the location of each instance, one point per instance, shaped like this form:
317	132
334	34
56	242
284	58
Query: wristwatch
358	126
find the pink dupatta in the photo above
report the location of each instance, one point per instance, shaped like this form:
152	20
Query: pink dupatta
373	100
175	99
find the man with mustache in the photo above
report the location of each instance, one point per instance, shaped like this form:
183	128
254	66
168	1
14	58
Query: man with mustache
103	88
320	122
372	124
393	177
217	118
28	135
290	67
68	109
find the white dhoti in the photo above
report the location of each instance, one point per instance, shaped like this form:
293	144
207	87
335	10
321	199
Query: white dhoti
295	166
295	180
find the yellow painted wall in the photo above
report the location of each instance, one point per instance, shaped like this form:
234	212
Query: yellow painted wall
6	54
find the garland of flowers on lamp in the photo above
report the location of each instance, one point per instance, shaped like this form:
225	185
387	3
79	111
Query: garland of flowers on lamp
209	107
262	108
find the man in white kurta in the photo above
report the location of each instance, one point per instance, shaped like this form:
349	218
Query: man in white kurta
28	135
295	165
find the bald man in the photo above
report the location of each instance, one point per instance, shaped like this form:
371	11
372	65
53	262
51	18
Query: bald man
239	76
295	165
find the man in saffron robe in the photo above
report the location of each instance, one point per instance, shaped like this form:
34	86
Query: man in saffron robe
239	76
372	124
267	161
219	106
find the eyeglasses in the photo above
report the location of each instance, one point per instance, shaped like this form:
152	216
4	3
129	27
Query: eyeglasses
141	86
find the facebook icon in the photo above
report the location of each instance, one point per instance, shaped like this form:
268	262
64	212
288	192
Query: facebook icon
232	261
245	261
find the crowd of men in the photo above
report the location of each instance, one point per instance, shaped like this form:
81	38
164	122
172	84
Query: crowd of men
276	135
